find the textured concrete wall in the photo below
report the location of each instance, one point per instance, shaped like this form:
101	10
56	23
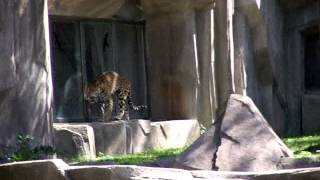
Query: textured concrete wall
171	65
25	81
119	9
295	22
206	111
251	47
268	40
85	8
171	60
272	13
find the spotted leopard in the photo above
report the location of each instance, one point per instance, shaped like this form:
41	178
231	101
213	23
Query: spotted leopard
100	91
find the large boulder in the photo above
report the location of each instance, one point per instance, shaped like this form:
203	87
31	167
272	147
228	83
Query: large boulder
144	135
240	140
111	138
74	140
32	170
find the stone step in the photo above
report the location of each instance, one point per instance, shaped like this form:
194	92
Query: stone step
123	137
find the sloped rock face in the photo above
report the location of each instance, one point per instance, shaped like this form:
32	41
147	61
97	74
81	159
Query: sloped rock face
241	140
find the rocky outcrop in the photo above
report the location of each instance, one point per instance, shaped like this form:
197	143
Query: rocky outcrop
240	140
74	140
122	137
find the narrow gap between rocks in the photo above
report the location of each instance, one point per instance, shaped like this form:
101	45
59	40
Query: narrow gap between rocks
217	139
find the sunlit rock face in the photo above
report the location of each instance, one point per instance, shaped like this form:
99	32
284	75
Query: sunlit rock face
25	74
119	9
168	6
85	8
172	63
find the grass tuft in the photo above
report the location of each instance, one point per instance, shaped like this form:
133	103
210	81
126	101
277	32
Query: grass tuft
132	159
304	146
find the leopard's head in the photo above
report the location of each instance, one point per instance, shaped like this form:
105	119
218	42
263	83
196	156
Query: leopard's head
92	93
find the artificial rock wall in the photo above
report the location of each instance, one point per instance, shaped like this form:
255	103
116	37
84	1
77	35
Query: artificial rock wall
178	35
25	75
198	53
258	42
268	40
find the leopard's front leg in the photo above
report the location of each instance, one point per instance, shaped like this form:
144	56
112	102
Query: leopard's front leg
110	108
106	102
102	108
123	110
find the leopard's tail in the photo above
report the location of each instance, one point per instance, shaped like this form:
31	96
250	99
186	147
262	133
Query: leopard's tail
132	106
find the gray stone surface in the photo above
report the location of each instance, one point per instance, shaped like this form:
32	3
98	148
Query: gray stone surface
251	49
172	57
206	100
294	174
201	153
138	133
241	140
117	172
224	75
69	143
121	137
33	170
148	173
152	7
248	142
85	8
173	134
110	138
58	170
7	63
25	81
273	18
86	173
173	92
310	113
296	163
74	140
293	47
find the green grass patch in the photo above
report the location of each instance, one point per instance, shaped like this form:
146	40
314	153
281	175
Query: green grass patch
305	146
132	159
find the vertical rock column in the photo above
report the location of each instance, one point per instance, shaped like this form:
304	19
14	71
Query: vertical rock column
171	61
25	81
224	60
206	90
